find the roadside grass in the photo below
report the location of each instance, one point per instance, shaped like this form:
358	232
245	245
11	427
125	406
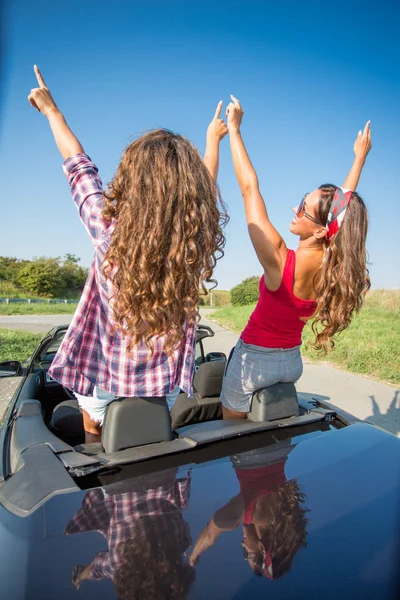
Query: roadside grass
17	345
10	290
370	346
37	309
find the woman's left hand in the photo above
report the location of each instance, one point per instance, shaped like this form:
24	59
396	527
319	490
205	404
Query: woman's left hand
363	143
217	129
234	115
80	573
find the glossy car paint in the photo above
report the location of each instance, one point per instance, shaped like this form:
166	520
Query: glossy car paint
350	481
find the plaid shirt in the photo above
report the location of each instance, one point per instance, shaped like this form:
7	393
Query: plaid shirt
92	353
122	517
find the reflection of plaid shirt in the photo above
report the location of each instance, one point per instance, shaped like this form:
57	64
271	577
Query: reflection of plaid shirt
92	353
124	516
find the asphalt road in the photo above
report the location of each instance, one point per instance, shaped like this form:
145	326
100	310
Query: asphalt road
365	398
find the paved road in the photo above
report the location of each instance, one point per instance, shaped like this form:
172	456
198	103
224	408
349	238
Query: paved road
365	398
34	323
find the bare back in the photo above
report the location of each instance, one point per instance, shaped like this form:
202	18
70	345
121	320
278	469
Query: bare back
308	263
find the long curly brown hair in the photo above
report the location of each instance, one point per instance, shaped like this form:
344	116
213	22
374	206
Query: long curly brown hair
167	239
153	566
284	532
343	280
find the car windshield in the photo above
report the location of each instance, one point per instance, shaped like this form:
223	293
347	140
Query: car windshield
50	351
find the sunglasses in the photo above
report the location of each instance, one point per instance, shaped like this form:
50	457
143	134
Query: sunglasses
301	212
266	566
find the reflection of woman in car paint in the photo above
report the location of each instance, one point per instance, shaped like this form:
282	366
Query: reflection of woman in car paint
157	233
147	540
270	510
325	278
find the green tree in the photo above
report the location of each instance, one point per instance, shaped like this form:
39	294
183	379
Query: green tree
71	258
246	292
42	276
10	267
73	276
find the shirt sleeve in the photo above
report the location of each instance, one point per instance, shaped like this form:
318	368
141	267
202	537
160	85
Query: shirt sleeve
87	194
182	489
101	566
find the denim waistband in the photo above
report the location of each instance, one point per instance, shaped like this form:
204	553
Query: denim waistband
263	349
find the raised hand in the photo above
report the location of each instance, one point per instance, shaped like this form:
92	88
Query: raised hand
40	97
234	114
363	143
217	129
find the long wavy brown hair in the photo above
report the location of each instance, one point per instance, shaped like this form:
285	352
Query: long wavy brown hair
167	239
284	530
343	280
153	566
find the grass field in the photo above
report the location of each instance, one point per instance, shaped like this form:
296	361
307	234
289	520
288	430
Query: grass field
17	345
37	309
371	345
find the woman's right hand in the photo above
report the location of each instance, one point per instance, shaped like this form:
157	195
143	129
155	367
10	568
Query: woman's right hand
217	128
40	98
234	115
363	143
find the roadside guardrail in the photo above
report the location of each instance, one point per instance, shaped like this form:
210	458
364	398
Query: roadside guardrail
37	301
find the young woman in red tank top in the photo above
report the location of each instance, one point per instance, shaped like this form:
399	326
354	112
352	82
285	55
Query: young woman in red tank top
326	278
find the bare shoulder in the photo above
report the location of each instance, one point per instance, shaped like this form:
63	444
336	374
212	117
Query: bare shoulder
308	264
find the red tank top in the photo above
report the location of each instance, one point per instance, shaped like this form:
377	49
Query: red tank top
258	482
277	320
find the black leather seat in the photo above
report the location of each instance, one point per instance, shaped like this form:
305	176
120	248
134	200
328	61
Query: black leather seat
67	422
205	404
131	422
277	401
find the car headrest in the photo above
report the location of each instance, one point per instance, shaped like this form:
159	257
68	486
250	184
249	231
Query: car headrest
277	401
208	379
131	422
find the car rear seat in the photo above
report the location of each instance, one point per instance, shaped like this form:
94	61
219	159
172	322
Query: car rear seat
67	421
205	404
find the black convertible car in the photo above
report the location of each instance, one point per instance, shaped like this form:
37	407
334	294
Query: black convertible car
300	500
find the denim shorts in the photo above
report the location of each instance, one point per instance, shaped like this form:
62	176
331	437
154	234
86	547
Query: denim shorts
253	367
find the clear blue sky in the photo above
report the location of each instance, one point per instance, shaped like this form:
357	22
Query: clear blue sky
308	74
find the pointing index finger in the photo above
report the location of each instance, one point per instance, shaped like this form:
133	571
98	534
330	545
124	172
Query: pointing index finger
39	77
218	110
367	127
235	100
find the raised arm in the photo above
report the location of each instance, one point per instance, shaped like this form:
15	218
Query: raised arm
42	100
216	131
268	243
362	146
231	515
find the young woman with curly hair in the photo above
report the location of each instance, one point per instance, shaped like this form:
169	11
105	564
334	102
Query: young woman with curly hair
326	278
270	509
157	234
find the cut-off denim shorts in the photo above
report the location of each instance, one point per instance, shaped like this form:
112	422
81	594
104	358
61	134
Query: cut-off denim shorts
253	367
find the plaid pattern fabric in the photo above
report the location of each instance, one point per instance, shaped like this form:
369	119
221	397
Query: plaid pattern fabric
337	211
122	517
92	353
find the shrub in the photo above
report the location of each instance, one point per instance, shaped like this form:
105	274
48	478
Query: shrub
246	292
219	298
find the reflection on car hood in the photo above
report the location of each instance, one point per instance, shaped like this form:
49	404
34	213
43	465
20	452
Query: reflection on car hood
313	516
